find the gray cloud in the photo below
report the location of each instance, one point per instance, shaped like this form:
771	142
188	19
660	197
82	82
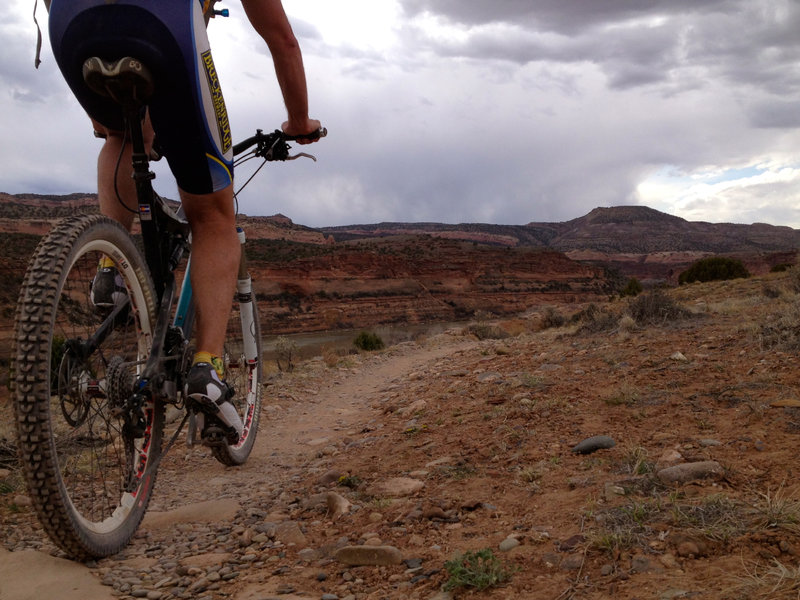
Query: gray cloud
532	110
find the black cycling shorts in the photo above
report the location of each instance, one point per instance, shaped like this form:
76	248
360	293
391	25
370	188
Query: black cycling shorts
169	36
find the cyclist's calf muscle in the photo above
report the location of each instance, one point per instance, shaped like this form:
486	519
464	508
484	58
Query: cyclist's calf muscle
116	189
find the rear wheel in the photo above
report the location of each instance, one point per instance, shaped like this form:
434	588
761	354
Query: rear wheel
243	370
74	369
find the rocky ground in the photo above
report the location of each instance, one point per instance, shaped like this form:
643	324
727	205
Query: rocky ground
642	452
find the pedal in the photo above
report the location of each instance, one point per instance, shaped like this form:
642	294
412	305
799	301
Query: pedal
193	433
126	80
217	434
214	436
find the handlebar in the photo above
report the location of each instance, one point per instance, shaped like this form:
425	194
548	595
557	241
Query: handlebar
273	146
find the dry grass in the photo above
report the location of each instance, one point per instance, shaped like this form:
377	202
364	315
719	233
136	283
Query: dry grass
776	581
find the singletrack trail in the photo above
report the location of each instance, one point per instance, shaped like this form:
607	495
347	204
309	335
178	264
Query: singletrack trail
306	415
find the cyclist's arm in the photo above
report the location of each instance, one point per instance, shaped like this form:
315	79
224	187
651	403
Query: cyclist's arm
269	20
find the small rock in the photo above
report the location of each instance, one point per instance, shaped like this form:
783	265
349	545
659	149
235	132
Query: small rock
307	554
678	356
689	547
396	487
434	512
642	564
581	481
573	562
329	477
670	457
611	490
551	559
22	500
690	471
337	505
508	544
708	442
592	444
289	532
668	560
4	473
489	377
571	543
369	555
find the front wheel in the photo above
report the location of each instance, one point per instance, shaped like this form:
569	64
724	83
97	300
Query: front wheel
75	360
243	370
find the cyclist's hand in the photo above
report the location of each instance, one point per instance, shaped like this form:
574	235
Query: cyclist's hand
311	126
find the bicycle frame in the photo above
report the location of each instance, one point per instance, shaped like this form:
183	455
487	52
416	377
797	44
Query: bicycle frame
167	238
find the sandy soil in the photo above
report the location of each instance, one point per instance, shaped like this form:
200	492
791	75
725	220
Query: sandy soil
452	444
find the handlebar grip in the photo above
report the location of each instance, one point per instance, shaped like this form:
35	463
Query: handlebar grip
314	135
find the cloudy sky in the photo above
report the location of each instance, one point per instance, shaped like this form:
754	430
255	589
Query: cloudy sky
502	111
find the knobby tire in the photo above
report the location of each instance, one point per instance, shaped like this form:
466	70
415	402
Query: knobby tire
244	374
83	469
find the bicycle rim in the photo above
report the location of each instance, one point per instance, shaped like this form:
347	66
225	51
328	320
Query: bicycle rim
86	472
243	370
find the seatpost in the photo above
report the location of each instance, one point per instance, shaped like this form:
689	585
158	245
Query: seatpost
142	177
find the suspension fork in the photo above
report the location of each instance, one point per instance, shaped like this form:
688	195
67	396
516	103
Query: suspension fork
246	299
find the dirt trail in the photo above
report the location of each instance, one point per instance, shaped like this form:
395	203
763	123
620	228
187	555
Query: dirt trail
295	425
325	414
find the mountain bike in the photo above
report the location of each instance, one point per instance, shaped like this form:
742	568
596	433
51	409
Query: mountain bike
90	385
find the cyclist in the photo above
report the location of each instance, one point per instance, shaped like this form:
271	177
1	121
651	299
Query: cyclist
187	112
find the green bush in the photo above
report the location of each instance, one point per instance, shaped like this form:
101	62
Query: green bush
479	570
780	268
713	268
633	288
366	340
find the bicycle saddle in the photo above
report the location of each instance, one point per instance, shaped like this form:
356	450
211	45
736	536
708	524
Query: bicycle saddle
126	80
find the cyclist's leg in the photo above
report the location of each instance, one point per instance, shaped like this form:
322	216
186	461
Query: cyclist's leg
215	258
116	190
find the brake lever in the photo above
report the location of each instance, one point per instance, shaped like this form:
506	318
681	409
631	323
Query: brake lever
302	155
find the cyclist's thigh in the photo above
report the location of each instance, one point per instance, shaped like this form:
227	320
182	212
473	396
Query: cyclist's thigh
187	109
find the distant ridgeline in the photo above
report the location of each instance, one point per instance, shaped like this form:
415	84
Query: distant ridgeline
619	229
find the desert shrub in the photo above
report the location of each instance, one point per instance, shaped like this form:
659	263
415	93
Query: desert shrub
714	268
770	291
782	331
780	268
330	356
485	331
594	319
626	324
552	318
368	341
793	280
655	308
479	569
285	351
632	288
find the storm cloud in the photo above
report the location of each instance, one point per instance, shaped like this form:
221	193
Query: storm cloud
505	112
